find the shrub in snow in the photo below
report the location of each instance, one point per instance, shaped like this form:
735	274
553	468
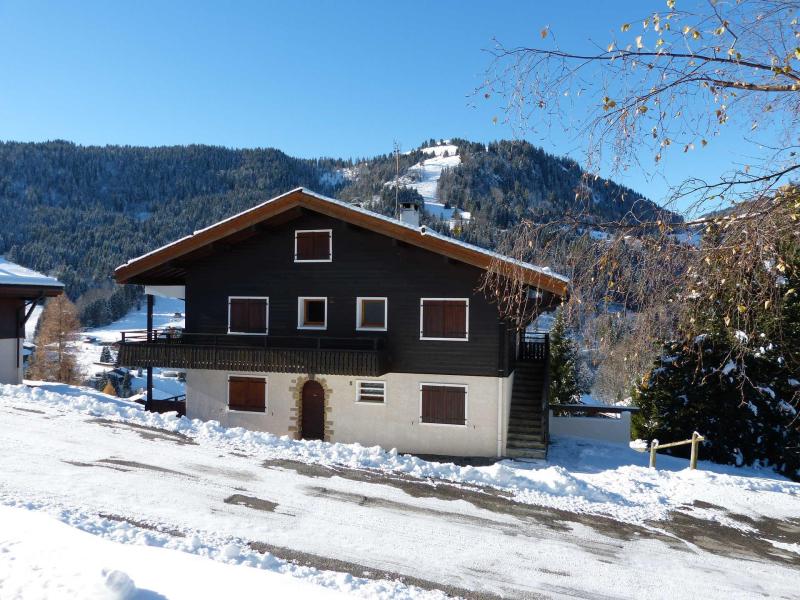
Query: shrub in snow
735	388
746	410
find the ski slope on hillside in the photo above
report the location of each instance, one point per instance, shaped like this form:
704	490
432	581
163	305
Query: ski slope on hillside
424	177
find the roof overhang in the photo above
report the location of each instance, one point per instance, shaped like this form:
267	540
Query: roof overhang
30	292
136	271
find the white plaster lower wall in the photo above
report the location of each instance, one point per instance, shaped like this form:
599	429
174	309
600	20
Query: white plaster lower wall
594	428
10	357
394	424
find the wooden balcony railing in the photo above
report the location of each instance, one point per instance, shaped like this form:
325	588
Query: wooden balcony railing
270	354
534	347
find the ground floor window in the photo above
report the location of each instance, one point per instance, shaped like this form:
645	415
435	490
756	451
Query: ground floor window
247	393
372	392
443	404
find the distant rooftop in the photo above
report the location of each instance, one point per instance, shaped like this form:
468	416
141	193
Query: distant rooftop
17	275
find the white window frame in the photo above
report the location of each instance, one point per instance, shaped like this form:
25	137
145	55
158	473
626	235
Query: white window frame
301	313
315	260
228	393
385	313
266	332
370	402
443	384
442	339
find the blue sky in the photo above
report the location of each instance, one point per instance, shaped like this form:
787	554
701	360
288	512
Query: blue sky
313	79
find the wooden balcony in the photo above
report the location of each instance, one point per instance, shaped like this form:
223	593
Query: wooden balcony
269	354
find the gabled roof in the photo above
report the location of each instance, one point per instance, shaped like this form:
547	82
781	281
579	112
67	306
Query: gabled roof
541	277
21	282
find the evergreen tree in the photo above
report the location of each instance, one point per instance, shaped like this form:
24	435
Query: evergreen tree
105	355
742	394
565	384
125	387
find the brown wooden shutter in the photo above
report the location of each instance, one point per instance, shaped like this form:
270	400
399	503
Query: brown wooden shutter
455	319
321	245
247	393
257	316
238	319
444	404
248	315
432	318
313	245
444	319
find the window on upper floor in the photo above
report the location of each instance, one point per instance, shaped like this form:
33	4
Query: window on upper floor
444	319
247	393
312	313
313	245
371	314
248	315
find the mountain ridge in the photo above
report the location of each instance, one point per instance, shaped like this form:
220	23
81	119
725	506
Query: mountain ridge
77	212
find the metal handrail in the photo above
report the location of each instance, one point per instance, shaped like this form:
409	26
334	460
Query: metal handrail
593	408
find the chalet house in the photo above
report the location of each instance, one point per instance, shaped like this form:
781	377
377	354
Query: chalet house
20	291
313	318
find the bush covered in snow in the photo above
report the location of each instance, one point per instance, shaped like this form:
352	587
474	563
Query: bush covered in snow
742	392
744	409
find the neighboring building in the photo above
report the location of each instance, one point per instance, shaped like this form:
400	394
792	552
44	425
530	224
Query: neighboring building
20	291
313	318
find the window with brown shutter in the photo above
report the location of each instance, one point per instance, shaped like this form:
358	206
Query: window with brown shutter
444	319
247	393
313	246
248	315
444	404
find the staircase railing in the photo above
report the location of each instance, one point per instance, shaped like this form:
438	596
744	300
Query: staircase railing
534	346
546	395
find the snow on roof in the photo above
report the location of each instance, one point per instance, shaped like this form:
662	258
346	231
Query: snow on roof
423	230
14	274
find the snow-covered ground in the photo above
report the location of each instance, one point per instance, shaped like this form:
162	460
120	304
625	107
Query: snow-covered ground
592	521
43	558
424	177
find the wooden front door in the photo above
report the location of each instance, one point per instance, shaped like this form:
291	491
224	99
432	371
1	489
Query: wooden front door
313	425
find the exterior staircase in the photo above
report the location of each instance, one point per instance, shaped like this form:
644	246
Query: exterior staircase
526	436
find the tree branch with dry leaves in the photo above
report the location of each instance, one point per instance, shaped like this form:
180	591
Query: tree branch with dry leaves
673	81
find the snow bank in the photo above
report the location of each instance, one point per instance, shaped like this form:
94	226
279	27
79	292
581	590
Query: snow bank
580	476
42	557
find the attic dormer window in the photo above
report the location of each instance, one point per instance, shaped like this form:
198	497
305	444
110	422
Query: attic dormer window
313	245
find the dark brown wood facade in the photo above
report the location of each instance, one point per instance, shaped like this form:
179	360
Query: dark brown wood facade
365	263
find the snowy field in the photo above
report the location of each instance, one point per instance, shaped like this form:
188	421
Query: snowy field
145	496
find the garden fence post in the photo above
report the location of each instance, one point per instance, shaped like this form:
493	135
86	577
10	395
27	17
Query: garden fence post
693	456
